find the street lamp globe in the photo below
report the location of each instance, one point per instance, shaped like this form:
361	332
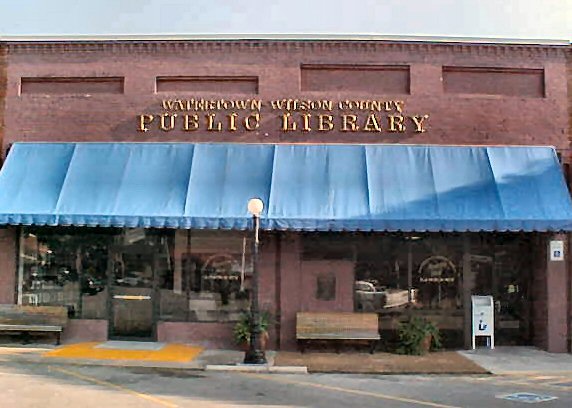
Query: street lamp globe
255	207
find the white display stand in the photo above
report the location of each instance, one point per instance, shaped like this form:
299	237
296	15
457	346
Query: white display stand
483	319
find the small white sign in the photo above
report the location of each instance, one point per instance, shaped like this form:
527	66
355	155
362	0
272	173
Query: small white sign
483	318
556	250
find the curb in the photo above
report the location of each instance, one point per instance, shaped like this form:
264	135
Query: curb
250	368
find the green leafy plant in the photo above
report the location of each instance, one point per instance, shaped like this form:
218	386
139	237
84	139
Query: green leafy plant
417	336
241	330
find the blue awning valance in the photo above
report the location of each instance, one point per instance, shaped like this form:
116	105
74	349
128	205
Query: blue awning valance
304	187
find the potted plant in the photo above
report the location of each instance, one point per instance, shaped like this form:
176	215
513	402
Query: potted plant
241	330
417	336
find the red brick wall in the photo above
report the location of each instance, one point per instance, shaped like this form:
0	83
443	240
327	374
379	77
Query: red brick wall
539	293
210	335
298	287
3	79
343	300
290	290
550	297
8	250
569	83
79	330
557	303
454	118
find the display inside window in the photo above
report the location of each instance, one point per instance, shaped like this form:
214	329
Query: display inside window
212	283
64	269
413	272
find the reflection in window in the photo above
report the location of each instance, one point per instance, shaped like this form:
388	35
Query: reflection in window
396	272
192	276
65	268
211	277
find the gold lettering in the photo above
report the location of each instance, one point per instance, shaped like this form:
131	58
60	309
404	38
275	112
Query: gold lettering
371	124
325	123
247	121
419	121
256	104
168	104
287	124
349	120
277	104
375	106
145	120
167	126
306	126
191	122
396	123
232	121
399	106
211	125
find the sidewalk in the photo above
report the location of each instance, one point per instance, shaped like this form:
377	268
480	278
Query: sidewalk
180	356
501	360
127	354
510	360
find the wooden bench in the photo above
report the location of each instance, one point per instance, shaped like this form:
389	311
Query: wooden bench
337	327
27	319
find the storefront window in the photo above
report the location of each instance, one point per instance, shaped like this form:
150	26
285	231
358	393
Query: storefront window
396	272
401	275
201	276
211	277
65	267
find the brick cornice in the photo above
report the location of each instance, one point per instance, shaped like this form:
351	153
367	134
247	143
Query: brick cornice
210	46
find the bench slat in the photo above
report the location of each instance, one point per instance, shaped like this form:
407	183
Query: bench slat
24	327
33	315
337	326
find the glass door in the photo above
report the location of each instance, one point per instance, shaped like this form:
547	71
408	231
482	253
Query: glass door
132	292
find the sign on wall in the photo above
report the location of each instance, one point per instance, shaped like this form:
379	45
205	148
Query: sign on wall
285	115
556	250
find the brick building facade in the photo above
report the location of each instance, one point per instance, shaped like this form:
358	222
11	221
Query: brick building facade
466	94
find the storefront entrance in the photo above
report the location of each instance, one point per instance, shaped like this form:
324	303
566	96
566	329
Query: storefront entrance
133	292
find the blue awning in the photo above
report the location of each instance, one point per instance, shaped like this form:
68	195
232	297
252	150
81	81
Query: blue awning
304	187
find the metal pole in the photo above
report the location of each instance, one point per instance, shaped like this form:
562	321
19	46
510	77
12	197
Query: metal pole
255	354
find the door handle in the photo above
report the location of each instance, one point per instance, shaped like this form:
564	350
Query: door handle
132	297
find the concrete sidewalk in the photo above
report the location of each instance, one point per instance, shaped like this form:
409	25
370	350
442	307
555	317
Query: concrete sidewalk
510	360
501	360
139	355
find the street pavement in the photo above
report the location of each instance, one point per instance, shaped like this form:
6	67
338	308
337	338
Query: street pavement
29	384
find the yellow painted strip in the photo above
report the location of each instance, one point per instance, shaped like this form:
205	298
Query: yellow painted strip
351	391
97	381
174	353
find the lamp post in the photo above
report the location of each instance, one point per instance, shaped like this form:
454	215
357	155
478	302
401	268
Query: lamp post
255	354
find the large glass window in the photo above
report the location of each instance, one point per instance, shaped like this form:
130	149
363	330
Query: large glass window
399	275
210	279
179	275
65	267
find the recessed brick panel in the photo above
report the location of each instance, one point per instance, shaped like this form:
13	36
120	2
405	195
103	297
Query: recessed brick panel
208	84
494	81
372	79
63	85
